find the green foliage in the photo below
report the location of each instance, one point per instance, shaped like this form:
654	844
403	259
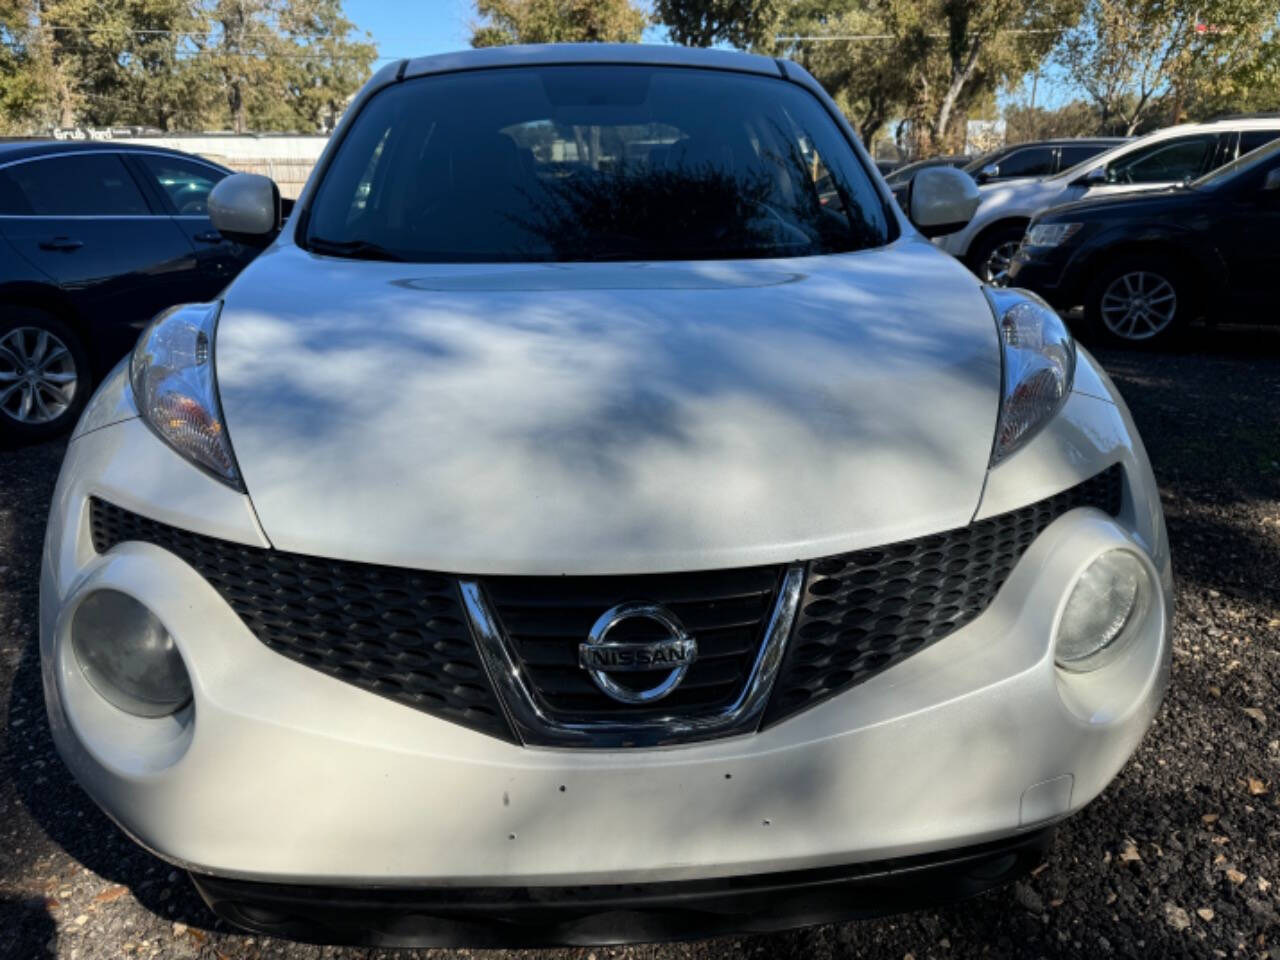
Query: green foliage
557	21
1140	58
702	23
285	65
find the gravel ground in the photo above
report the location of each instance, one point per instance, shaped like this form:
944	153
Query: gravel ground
1179	857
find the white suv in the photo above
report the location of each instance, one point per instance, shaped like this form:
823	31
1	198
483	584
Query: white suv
600	515
1161	159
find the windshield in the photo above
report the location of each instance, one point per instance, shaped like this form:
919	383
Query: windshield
1215	178
568	163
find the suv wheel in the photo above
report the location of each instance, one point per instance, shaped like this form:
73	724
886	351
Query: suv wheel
1139	301
993	254
44	374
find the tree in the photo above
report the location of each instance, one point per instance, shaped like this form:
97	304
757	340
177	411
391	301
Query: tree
702	23
557	21
1130	56
864	76
927	61
280	64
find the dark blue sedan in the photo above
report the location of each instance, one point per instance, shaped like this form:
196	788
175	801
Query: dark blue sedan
95	239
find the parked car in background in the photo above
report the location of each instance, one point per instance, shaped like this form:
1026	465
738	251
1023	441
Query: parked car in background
95	240
901	178
1144	265
1036	158
1161	159
533	548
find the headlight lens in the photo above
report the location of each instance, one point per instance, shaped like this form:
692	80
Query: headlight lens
1103	613
1039	364
174	387
1050	234
128	656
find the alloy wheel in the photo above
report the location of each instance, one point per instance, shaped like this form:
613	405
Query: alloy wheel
38	376
995	269
1138	305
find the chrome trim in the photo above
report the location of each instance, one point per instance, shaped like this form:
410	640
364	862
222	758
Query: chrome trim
536	727
600	658
134	151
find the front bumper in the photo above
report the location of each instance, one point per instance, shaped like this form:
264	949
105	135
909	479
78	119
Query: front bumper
279	774
619	913
1046	276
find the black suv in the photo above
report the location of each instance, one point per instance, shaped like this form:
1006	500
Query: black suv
1144	264
95	239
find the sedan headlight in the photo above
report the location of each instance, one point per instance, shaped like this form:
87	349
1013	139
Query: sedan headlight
1039	363
174	387
1050	234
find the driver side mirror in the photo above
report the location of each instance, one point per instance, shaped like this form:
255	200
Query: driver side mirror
1092	178
989	172
245	208
941	200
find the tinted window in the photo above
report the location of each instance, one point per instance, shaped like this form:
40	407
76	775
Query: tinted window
186	183
1253	139
596	163
1078	154
92	184
1169	162
1032	162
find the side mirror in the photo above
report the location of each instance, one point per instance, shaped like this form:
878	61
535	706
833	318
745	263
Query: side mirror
989	172
1271	184
245	208
941	200
1091	178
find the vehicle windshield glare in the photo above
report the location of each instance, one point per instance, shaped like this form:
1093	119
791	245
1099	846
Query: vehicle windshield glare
576	163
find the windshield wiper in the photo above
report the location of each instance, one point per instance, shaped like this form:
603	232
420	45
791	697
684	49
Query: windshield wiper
352	249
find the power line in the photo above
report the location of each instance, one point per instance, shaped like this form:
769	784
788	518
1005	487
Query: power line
880	36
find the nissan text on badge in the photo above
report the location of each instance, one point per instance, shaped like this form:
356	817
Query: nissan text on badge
599	441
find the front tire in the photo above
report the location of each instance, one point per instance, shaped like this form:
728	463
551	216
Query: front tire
45	378
1141	301
993	254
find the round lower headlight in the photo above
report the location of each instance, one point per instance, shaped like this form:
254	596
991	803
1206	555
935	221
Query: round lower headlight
1106	606
128	656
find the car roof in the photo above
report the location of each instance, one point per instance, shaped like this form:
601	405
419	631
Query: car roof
665	55
23	149
1065	142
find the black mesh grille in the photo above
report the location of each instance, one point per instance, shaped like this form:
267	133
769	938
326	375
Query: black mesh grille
724	610
863	612
398	633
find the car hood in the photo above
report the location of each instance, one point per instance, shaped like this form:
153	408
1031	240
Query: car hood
608	418
1120	205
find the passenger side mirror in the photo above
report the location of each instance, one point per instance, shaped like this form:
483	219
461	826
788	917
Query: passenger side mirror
989	172
1092	178
941	200
1271	184
245	208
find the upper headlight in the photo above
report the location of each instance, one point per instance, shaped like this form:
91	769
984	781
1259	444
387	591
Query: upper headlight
1039	363
1050	234
174	387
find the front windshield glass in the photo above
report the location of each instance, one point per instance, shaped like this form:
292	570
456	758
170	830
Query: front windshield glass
568	163
1215	178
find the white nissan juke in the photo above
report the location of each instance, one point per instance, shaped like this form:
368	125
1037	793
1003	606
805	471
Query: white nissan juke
600	514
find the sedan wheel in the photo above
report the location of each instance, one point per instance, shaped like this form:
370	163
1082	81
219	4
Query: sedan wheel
1138	305
995	269
38	378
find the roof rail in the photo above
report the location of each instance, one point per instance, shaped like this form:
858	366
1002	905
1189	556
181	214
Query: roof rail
1260	115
